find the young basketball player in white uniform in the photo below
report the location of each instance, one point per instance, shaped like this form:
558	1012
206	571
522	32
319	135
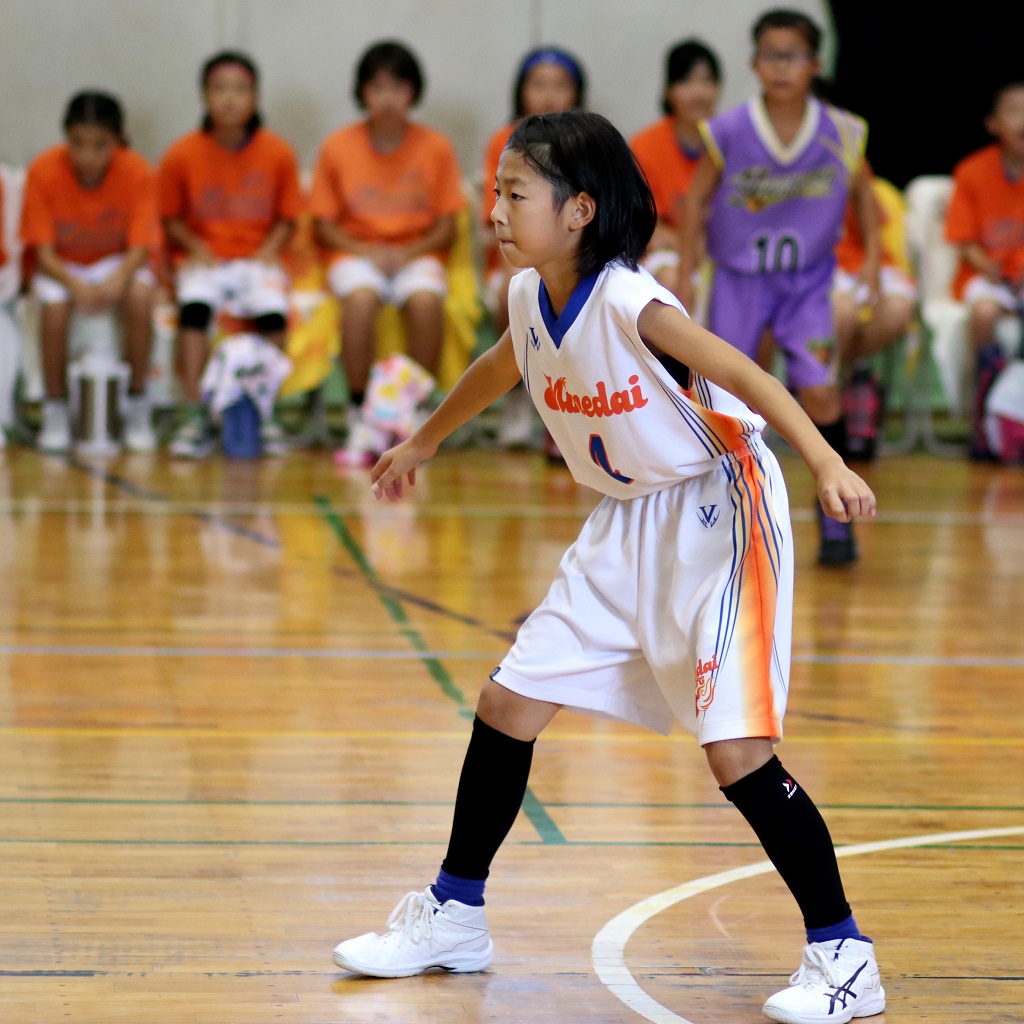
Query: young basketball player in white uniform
675	600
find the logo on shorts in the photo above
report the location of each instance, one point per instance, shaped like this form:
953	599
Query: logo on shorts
534	340
704	679
790	787
708	515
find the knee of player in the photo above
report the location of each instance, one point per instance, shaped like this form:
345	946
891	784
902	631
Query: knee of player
511	713
269	323
195	316
732	760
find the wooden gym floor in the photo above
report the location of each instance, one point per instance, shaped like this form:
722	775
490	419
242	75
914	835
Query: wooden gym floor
234	699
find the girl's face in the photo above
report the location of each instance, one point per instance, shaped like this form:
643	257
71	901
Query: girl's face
694	98
784	64
548	89
230	97
387	97
91	148
530	231
1006	122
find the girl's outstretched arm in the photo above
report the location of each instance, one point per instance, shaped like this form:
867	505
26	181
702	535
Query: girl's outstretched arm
842	493
486	380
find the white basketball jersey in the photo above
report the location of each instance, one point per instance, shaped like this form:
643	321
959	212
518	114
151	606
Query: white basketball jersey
623	424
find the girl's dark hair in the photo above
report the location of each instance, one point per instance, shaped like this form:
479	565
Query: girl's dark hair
681	61
96	108
394	58
579	151
238	59
548	55
783	18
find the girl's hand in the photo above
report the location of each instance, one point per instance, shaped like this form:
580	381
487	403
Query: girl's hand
389	259
113	289
89	298
868	291
200	256
270	257
843	495
396	466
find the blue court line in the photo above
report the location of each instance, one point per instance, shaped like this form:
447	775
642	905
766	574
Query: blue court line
532	807
534	810
130	487
216	519
426	654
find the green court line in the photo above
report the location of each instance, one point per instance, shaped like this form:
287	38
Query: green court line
532	807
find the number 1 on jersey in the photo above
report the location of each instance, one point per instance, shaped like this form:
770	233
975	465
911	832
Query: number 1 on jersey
599	454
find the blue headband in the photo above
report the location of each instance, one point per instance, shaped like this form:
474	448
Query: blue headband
563	60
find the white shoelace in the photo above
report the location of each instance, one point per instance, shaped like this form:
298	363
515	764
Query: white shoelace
817	965
414	915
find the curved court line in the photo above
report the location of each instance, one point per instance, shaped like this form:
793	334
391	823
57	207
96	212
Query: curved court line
609	946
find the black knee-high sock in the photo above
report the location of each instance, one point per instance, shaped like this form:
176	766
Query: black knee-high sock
491	790
796	839
835	434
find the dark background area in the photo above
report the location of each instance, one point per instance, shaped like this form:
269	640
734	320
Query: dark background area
923	74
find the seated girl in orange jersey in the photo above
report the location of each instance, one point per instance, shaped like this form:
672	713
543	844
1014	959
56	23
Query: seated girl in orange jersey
386	191
549	81
229	198
985	221
669	149
89	226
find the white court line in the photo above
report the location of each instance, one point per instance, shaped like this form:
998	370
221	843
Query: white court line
608	950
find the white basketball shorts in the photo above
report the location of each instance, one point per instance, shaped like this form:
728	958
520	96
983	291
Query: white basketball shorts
423	274
675	606
245	288
48	290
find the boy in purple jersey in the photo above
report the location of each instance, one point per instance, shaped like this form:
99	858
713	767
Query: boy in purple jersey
675	601
770	193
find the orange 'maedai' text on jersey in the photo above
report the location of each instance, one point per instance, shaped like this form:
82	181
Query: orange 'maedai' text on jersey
85	225
230	199
623	424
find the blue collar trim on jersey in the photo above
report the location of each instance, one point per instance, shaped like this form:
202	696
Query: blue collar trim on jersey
558	325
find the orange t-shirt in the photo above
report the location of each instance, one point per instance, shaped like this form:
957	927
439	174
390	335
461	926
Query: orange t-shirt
987	208
386	197
230	198
85	225
668	167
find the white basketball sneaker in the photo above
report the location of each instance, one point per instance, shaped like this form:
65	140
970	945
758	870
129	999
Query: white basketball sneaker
139	435
837	981
422	934
55	435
